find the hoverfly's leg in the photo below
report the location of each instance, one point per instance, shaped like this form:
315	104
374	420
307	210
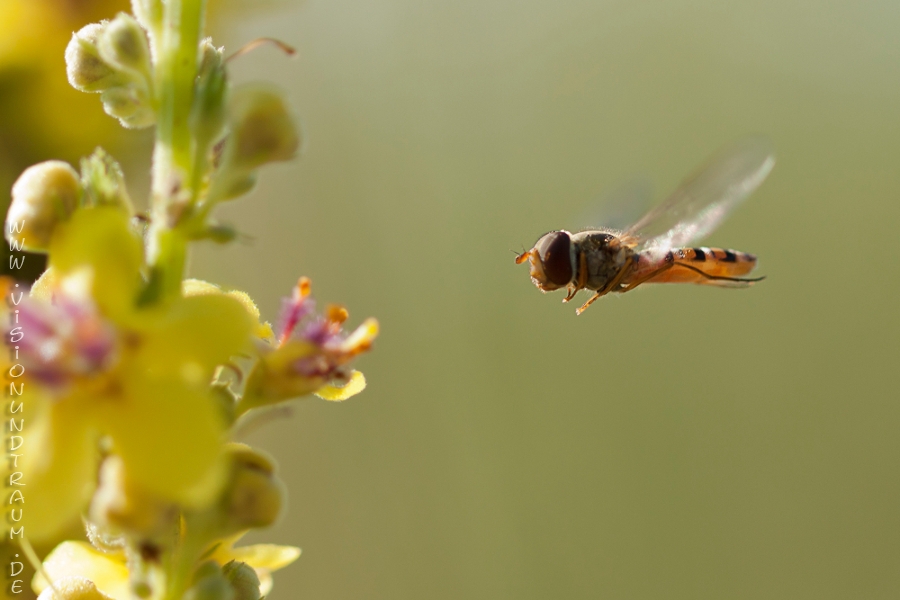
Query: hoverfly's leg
614	282
589	302
720	277
580	280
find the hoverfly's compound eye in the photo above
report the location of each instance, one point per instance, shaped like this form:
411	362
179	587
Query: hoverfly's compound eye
554	250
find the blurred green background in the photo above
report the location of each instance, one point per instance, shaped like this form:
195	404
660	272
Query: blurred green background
674	442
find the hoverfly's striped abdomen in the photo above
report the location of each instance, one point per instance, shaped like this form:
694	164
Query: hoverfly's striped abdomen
705	266
704	254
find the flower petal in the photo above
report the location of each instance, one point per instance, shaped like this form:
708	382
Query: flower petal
361	339
270	557
73	588
96	254
58	464
195	333
169	436
263	558
198	287
354	385
43	288
79	559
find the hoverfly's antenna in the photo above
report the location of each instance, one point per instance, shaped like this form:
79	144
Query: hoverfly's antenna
521	256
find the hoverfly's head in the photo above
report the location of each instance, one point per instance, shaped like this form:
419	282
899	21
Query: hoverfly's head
551	261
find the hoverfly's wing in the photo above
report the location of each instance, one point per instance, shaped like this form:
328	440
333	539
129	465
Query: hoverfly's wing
624	203
618	208
703	201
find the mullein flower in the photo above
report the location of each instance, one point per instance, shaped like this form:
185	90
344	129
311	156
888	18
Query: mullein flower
136	375
312	351
264	559
72	563
109	370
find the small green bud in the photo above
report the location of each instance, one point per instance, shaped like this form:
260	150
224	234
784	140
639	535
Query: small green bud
43	196
208	111
262	129
88	72
232	185
213	586
131	107
149	13
123	44
243	579
211	58
254	495
207	569
104	182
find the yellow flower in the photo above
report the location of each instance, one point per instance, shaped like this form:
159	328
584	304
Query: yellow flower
101	368
79	560
72	561
198	287
312	352
263	558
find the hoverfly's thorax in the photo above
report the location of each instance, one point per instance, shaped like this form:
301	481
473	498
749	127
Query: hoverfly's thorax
601	255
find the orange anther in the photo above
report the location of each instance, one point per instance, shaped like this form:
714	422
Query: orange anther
304	287
336	313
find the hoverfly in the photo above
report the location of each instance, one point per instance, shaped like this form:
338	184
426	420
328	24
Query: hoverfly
654	250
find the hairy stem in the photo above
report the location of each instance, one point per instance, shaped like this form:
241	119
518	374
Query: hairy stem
173	155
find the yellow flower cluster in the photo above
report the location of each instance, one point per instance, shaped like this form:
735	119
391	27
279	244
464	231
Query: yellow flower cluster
130	378
112	381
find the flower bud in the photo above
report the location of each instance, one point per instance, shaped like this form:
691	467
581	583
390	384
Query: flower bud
232	185
43	196
254	495
104	182
262	129
119	505
208	111
149	13
243	580
73	588
210	584
88	72
123	44
130	106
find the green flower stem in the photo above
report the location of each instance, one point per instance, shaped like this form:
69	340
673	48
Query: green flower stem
176	73
195	539
173	155
168	248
